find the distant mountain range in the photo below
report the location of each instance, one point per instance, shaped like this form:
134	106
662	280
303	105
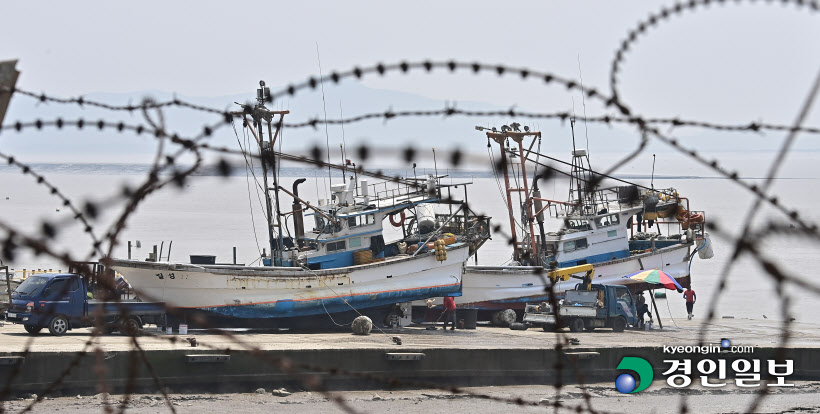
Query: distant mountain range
89	145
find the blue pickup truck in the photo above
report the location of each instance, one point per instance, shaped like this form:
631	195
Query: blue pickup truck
60	302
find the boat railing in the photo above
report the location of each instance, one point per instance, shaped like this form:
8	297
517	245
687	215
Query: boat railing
670	226
399	193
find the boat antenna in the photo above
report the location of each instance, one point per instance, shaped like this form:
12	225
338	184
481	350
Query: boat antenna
652	182
344	147
584	104
435	166
324	108
572	124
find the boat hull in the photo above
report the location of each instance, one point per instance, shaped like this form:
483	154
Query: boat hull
512	287
258	293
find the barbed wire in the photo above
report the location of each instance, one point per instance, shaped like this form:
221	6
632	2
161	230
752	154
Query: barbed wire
196	145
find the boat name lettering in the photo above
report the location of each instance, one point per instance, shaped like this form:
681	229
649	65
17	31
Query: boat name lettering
162	276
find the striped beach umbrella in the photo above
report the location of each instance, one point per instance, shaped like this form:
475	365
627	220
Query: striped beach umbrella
656	277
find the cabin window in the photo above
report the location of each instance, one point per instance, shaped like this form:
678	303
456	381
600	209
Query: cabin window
624	296
578	224
608	220
336	246
56	288
355	242
352	222
576	244
612	233
370	219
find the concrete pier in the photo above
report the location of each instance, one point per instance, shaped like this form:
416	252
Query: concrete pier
485	356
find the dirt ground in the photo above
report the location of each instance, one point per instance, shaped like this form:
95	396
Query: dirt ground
802	398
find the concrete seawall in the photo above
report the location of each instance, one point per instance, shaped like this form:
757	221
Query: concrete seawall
487	356
351	368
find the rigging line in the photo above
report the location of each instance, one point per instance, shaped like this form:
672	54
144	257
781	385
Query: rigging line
259	187
324	108
248	163
670	314
500	191
248	182
584	104
344	144
339	296
591	171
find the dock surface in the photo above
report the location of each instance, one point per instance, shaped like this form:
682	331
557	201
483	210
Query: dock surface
759	333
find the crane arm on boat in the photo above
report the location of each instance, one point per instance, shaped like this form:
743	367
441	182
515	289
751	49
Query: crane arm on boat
567	272
319	212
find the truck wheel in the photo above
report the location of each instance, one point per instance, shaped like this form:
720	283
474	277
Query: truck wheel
619	324
34	330
131	326
548	327
58	325
589	328
576	325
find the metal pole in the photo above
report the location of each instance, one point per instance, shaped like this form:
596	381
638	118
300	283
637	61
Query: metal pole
234	255
509	200
8	284
281	242
652	296
527	200
129	249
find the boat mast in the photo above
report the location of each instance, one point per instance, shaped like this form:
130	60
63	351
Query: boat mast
518	137
267	155
580	177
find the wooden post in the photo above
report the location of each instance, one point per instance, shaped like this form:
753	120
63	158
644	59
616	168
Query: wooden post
8	78
652	296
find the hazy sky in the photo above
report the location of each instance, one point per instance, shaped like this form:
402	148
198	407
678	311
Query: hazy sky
729	64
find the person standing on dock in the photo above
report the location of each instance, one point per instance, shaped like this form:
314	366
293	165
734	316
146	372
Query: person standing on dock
643	309
691	297
449	312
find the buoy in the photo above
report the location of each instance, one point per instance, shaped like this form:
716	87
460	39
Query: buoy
441	250
696	218
704	247
362	325
397	223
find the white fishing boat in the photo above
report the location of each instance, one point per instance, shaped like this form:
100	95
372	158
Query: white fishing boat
338	270
619	229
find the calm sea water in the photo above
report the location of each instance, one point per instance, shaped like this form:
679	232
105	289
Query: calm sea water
211	215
